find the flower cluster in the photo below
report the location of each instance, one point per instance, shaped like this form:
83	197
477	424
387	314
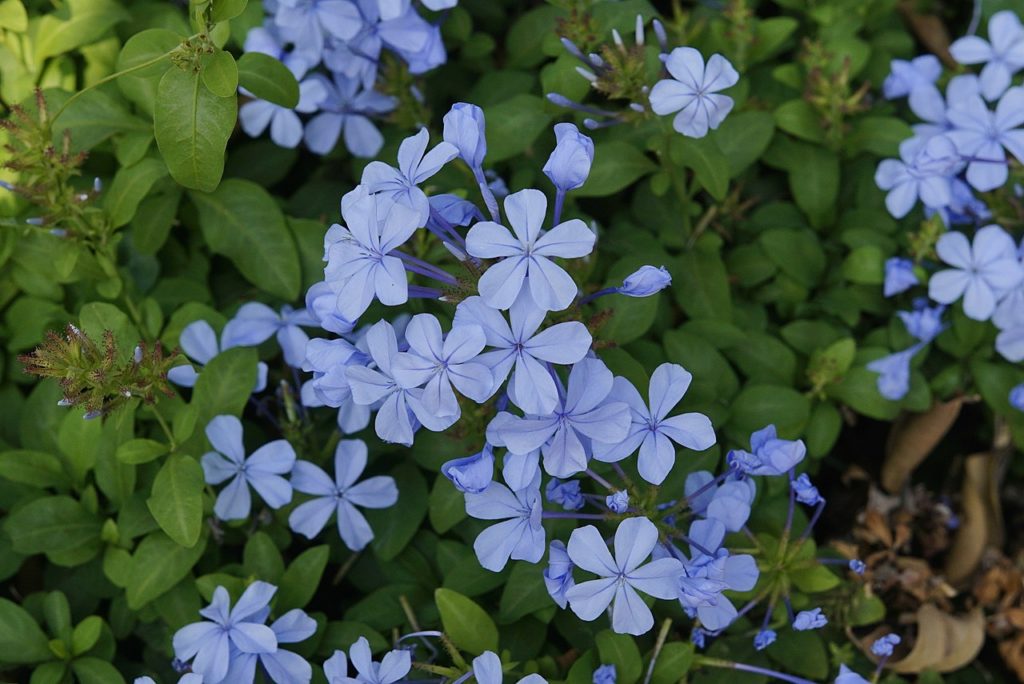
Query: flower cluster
690	91
348	39
960	148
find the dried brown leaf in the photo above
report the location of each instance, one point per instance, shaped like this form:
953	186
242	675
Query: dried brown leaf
944	642
912	438
979	523
930	30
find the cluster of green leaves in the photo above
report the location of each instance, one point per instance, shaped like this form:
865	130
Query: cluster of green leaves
771	226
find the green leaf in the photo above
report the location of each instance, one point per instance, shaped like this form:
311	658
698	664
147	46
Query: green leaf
710	166
798	118
268	79
95	117
225	384
154	219
131	184
815	184
84	22
524	593
95	671
86	634
22	642
802	653
33	468
700	284
141	451
859	390
192	127
241	221
300	581
467	624
513	125
865	265
797	253
526	36
814	580
392	533
447	506
227	9
674	661
743	138
621	651
148	46
760	405
157	565
823	429
177	499
13	15
52	524
617	164
262	558
220	74
880	135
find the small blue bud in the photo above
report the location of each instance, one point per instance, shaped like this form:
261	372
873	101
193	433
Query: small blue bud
605	674
884	646
644	282
35	221
471	474
764	639
617	502
809	619
97	185
1017	397
569	163
464	128
858	566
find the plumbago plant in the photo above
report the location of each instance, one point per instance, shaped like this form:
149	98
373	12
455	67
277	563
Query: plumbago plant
415	340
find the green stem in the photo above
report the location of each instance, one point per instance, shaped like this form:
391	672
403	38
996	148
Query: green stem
166	428
662	637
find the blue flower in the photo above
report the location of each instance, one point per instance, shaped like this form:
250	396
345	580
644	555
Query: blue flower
564	435
262	470
907	76
1002	54
283	667
436	362
857	566
473	473
933	109
397	405
267	39
305	23
213	645
646	281
519	536
771	455
706	576
899	276
558	575
255	323
651	430
487	670
322	301
340	496
730	503
199	342
981	135
525	257
698	637
519	348
806	492
569	163
566	494
764	638
393	667
924	170
693	91
981	272
884	646
345	112
605	675
848	676
1016	397
894	372
415	165
464	128
360	265
285	126
618	502
924	323
621	577
809	619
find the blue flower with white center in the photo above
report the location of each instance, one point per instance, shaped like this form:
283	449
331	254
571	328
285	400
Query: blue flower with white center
693	91
393	667
437	362
984	136
982	270
525	257
565	435
651	429
924	170
199	342
558	575
899	276
342	497
345	112
360	266
809	619
281	666
907	76
1002	54
229	633
518	348
397	406
255	323
415	165
520	535
621	577
262	470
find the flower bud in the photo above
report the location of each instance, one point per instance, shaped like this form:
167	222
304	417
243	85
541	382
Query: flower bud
646	281
569	163
464	128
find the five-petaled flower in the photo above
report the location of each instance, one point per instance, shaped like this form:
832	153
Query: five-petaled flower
693	91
